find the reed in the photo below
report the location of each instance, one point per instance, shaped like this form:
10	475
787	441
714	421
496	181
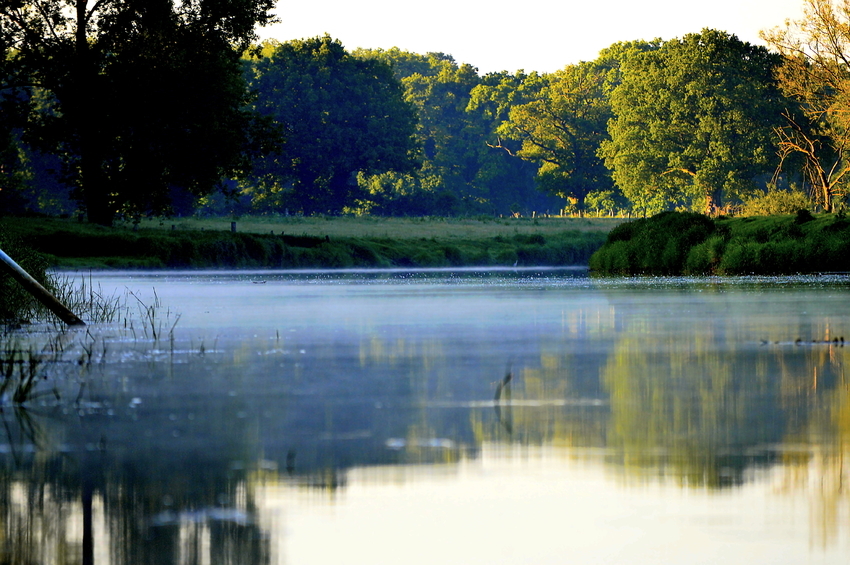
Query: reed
94	304
24	367
154	320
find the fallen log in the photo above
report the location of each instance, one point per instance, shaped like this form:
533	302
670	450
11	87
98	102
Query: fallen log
38	291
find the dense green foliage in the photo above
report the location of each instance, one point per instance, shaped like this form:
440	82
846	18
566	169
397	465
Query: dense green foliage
704	123
694	122
139	98
673	243
461	171
775	202
657	245
559	120
341	115
72	244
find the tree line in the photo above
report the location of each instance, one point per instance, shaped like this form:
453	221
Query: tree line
145	107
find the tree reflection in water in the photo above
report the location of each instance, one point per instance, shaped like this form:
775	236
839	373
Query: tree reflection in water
66	505
163	458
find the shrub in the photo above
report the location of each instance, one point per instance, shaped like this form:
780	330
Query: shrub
803	216
704	258
740	258
657	245
776	202
530	239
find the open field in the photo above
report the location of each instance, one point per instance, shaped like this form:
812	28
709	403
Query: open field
292	243
395	228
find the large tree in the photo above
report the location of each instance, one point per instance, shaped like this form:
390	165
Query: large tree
693	121
459	172
143	99
560	128
815	72
341	115
557	121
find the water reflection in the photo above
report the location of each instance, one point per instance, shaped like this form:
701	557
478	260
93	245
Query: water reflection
386	401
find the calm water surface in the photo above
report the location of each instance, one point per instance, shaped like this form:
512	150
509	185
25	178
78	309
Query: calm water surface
344	417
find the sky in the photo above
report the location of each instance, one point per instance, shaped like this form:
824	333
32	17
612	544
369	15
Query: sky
533	35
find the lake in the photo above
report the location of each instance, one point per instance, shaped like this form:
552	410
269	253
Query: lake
503	416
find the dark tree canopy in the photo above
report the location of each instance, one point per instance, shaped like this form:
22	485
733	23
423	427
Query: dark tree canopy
146	107
142	99
340	115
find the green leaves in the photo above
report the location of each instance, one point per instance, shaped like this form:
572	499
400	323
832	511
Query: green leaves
149	100
693	121
341	115
815	73
458	112
560	128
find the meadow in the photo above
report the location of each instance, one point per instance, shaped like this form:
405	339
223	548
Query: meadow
314	242
479	227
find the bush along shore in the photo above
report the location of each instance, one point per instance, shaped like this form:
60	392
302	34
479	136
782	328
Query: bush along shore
68	244
677	243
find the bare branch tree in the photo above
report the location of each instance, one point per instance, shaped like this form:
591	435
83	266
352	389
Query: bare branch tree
816	73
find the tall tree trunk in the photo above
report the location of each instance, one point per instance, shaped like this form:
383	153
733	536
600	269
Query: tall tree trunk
826	194
83	115
713	201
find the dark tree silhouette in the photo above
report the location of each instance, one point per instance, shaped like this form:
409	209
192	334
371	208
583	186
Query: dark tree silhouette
141	98
340	115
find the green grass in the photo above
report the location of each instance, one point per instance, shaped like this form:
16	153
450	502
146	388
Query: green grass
315	242
389	228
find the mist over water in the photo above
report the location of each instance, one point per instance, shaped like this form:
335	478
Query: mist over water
509	416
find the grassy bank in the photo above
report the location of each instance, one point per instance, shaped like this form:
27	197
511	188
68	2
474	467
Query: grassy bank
436	227
314	242
681	243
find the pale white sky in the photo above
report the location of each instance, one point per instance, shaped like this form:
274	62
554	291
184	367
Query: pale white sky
534	35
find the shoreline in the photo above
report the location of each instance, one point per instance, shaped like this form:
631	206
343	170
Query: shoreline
71	245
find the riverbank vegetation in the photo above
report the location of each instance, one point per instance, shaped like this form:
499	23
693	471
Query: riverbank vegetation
307	127
316	243
43	359
673	243
284	135
78	294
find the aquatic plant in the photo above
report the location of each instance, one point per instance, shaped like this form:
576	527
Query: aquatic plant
18	306
30	356
88	301
22	369
154	321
